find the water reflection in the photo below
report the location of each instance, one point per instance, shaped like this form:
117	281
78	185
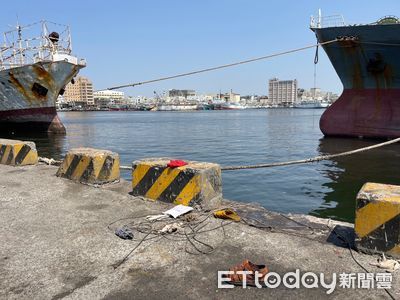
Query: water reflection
347	174
48	145
326	189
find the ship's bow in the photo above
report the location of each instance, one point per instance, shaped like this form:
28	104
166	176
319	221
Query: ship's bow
367	60
28	95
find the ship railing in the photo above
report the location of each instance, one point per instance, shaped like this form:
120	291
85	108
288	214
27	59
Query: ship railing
5	66
327	21
18	49
10	65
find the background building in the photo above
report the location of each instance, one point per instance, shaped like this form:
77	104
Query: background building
230	97
108	94
282	92
316	94
80	92
181	93
106	98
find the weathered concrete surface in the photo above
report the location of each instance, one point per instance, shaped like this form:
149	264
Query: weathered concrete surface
197	183
90	166
377	224
17	153
55	244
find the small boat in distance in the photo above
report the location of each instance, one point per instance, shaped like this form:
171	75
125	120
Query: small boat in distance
311	104
229	106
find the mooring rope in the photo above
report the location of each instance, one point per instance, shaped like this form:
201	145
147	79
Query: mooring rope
310	160
125	168
50	161
221	66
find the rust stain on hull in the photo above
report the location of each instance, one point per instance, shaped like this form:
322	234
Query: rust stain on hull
15	82
42	74
358	82
28	93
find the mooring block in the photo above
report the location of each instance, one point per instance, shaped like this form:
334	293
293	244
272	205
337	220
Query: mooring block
377	223
90	166
194	183
17	153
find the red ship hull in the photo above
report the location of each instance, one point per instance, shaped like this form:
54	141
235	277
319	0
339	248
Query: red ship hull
371	113
366	58
43	119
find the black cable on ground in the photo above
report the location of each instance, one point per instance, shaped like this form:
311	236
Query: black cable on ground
191	237
344	239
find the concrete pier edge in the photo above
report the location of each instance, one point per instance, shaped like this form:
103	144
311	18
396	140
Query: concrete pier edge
76	257
377	220
90	166
59	245
194	183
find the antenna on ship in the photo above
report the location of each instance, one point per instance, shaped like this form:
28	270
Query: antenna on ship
319	25
19	31
69	39
44	38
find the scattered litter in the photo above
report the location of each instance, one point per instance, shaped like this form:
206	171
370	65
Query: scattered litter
389	265
49	161
190	229
124	233
237	278
189	218
178	210
171	228
176	163
227	213
155	217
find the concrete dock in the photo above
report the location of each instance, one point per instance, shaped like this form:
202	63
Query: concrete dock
57	241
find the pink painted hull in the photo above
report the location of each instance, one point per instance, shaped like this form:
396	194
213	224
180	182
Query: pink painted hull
371	113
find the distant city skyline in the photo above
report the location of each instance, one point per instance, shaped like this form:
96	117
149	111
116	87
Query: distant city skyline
136	41
281	93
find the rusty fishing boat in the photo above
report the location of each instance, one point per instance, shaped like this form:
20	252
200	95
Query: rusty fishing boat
34	70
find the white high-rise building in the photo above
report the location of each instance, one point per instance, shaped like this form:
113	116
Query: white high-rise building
282	92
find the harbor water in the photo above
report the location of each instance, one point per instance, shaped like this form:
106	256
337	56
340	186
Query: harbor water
326	189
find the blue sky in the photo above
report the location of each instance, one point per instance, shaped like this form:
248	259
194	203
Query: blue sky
130	41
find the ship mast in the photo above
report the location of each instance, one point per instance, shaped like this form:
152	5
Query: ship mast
69	40
319	25
21	51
